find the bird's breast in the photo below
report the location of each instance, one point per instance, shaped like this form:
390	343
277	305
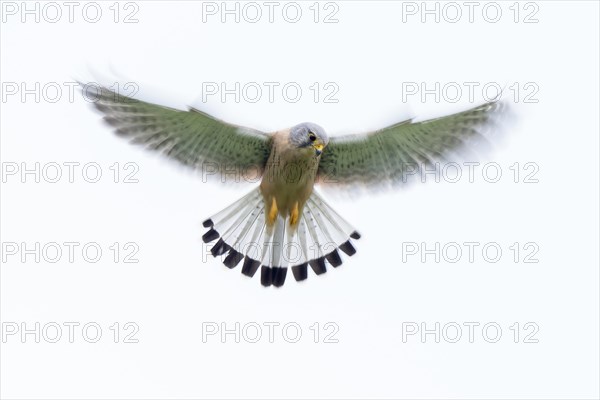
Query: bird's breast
289	177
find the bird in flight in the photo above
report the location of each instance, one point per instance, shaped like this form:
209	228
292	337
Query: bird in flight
284	222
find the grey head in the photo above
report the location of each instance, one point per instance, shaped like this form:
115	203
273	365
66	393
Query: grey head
309	135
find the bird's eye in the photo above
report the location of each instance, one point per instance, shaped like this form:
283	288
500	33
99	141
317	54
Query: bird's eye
312	137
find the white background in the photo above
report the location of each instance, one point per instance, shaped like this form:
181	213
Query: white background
175	287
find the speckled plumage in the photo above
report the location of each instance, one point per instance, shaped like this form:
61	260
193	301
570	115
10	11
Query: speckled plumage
289	174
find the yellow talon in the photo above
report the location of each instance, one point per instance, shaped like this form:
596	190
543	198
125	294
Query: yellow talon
272	212
294	215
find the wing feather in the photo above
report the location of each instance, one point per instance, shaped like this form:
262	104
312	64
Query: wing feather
192	137
389	156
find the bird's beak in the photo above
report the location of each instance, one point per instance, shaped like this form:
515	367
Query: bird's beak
318	148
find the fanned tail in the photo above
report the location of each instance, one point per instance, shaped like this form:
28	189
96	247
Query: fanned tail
243	234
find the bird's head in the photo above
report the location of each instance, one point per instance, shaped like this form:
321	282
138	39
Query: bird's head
309	136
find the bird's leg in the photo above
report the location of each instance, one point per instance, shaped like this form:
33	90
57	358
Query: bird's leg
272	216
294	214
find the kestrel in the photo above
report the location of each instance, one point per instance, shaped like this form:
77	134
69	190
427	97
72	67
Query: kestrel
284	221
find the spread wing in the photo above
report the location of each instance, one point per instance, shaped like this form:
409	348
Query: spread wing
191	137
392	155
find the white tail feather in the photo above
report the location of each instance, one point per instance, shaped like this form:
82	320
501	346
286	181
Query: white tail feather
243	234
